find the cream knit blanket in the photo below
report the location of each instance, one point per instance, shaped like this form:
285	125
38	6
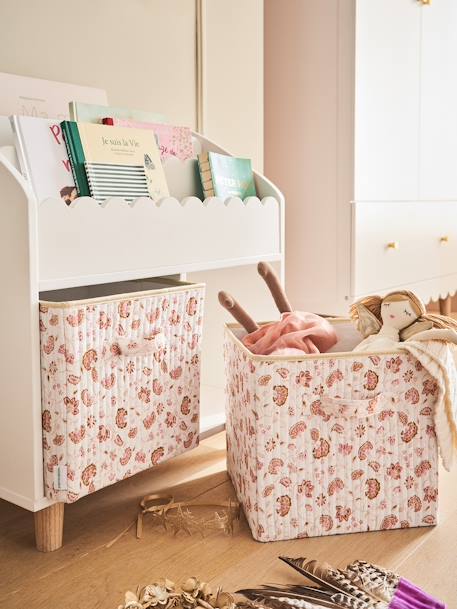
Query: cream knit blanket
439	358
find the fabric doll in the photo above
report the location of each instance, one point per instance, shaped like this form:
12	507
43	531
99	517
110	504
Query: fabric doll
295	333
399	316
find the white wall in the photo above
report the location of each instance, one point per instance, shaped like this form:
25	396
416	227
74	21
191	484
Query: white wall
141	51
233	76
306	43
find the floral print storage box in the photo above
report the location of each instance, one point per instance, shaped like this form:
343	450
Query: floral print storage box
120	385
338	443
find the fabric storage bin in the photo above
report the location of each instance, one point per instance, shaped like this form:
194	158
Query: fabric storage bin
336	443
120	371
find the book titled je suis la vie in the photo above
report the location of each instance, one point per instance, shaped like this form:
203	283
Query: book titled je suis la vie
114	161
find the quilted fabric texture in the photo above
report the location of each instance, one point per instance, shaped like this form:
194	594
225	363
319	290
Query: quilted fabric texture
120	386
331	444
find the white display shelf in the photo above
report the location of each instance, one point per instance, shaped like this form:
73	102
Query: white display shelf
47	246
89	243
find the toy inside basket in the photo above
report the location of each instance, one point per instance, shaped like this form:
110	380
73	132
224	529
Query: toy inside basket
338	442
348	336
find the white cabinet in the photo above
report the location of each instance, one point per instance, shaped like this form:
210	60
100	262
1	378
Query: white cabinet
398	243
387	105
438	117
367	158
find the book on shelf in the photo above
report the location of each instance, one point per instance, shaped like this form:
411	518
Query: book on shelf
43	158
115	161
226	176
27	96
6	131
93	113
173	141
7	145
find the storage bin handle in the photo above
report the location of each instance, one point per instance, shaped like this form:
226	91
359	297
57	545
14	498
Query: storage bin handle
340	407
133	347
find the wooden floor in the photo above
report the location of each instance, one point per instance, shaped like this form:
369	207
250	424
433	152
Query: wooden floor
87	573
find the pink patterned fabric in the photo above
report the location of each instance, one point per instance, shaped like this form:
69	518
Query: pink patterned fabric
331	444
295	333
120	387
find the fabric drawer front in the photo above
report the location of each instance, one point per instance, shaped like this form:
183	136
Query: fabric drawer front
329	445
120	386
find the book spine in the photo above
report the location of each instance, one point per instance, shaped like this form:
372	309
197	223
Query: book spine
79	158
73	108
68	146
206	175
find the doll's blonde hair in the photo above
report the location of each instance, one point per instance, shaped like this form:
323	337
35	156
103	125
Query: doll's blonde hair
374	303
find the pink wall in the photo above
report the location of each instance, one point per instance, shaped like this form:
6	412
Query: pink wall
301	128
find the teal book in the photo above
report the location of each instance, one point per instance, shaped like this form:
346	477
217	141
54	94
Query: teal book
226	176
76	156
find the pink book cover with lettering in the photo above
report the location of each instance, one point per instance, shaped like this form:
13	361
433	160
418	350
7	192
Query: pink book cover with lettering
43	158
171	140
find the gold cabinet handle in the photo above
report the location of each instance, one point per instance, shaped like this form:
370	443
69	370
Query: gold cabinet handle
444	240
425	2
393	245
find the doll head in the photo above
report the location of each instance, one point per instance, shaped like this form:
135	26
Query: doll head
401	310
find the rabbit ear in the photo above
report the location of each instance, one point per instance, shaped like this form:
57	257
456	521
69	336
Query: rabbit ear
367	323
266	271
235	309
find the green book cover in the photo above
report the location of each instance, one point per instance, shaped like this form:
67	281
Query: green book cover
226	176
76	155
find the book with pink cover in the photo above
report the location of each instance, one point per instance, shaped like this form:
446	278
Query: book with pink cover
171	140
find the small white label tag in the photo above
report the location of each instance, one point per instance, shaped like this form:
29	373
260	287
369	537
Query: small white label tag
61	478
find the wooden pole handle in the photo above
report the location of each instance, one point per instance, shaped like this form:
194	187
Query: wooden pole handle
235	309
266	271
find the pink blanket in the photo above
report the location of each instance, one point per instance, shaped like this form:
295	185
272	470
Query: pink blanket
296	333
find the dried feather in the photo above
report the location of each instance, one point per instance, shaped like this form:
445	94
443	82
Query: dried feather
376	580
296	595
277	602
328	577
363	566
343	599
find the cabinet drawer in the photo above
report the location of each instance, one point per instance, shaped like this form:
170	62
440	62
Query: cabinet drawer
395	244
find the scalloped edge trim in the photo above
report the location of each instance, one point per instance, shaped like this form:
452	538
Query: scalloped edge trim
160	202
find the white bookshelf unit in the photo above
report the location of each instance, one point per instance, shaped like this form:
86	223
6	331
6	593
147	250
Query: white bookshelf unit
47	246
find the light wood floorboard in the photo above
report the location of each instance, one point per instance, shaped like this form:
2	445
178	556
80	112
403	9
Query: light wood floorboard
87	574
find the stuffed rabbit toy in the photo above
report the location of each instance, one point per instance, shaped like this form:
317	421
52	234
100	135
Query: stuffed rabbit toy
296	333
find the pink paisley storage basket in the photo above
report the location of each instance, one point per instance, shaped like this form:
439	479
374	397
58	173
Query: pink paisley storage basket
338	443
120	382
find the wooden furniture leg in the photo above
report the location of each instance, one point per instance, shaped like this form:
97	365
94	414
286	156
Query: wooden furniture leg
445	305
49	528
